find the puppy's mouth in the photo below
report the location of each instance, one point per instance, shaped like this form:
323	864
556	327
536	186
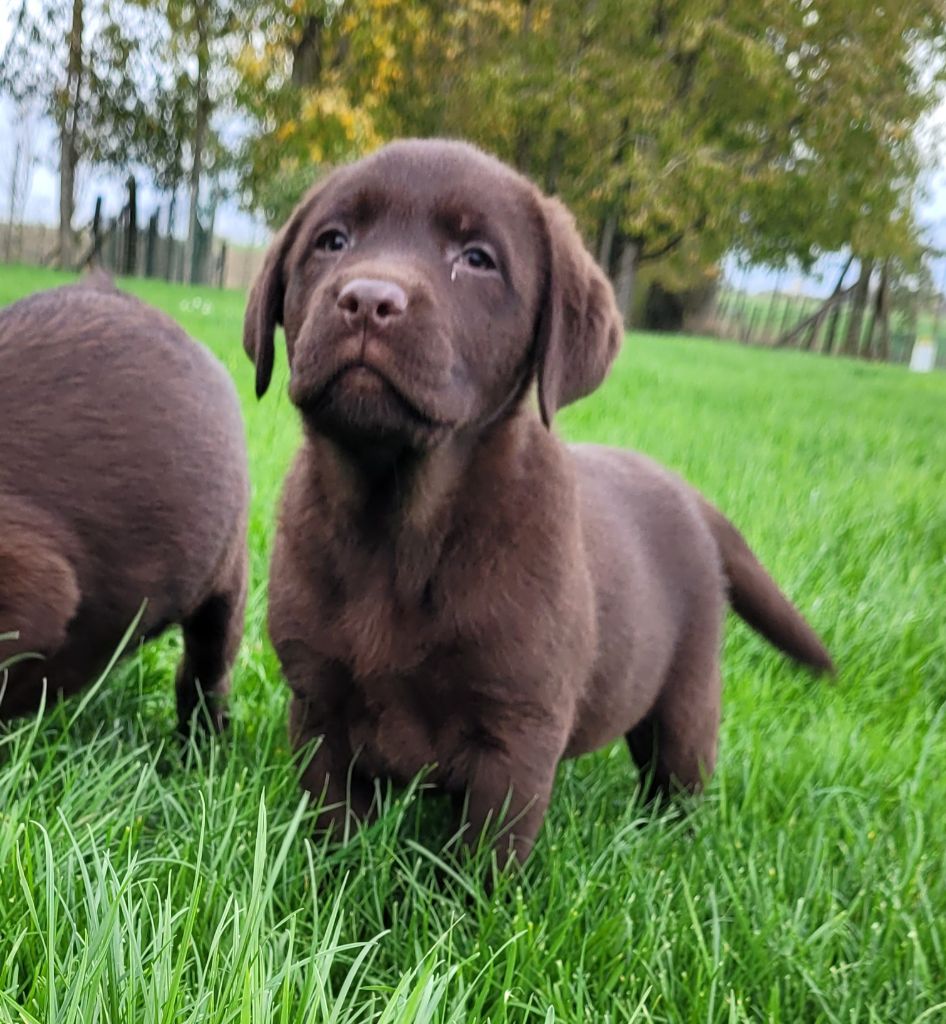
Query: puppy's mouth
370	392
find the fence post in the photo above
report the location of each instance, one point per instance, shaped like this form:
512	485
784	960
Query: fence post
199	255
96	231
771	312
169	241
112	243
151	244
747	334
724	297
739	313
131	239
786	314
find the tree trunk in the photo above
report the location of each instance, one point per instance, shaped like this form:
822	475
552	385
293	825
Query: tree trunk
556	159
878	346
222	266
523	134
606	245
852	338
14	180
69	136
738	310
832	332
307	53
200	134
624	282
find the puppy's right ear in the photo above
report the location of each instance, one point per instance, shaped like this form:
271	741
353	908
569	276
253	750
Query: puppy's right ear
264	309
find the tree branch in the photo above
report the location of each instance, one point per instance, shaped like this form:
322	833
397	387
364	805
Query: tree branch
668	246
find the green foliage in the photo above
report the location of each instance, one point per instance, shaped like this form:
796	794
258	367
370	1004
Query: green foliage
783	128
141	884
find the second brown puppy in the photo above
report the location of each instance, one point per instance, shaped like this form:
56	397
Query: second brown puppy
123	497
451	585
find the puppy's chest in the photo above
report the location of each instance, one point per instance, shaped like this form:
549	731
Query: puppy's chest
406	705
399	726
374	631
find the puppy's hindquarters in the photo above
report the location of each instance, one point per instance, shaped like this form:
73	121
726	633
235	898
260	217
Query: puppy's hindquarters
756	598
675	745
660	604
39	597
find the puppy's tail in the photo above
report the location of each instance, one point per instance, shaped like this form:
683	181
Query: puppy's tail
97	279
756	598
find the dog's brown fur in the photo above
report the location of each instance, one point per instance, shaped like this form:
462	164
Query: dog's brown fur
122	481
452	586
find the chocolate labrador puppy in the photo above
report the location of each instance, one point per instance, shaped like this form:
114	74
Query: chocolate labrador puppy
452	586
123	483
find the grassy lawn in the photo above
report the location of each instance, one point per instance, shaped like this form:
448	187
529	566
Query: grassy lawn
808	884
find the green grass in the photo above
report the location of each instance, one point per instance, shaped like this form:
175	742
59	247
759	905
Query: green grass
808	884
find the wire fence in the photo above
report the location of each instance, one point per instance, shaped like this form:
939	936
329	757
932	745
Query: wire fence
831	325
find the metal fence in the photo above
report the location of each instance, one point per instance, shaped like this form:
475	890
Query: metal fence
830	325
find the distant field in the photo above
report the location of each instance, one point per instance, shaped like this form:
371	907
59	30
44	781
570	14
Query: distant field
809	884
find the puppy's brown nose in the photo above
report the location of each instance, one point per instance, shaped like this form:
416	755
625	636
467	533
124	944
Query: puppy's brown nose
369	300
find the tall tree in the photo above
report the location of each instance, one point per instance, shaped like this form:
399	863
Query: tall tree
75	59
197	59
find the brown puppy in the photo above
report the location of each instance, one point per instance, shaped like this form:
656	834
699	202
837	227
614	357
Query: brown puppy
451	585
122	480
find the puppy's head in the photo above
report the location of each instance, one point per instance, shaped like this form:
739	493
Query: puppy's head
422	290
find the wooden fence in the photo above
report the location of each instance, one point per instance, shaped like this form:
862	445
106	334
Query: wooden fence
126	246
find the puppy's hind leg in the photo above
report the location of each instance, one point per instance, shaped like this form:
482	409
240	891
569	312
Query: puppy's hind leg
675	745
212	635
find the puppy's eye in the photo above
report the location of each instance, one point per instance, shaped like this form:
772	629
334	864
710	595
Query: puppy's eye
478	258
332	240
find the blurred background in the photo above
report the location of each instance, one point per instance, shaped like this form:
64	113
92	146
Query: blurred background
759	170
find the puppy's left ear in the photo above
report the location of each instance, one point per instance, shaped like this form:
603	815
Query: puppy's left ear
579	330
